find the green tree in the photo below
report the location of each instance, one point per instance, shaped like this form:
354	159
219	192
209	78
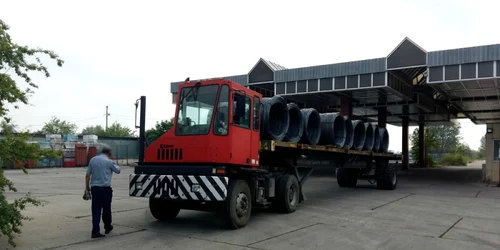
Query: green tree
482	148
8	127
57	126
430	143
447	135
14	148
93	130
118	130
159	129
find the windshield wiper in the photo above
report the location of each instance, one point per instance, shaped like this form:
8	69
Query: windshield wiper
190	92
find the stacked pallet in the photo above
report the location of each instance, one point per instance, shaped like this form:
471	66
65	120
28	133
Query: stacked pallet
69	142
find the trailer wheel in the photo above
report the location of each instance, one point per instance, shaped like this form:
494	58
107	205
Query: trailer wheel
347	177
163	210
386	176
238	205
287	194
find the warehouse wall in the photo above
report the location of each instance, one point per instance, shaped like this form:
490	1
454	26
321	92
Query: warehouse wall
492	164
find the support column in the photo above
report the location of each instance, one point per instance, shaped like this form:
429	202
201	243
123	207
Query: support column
406	162
421	142
345	106
382	117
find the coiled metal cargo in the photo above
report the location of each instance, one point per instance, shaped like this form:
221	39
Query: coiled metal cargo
296	124
333	130
349	133
369	137
376	138
274	118
312	128
359	133
384	140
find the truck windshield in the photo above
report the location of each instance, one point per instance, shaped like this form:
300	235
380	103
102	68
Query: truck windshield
196	106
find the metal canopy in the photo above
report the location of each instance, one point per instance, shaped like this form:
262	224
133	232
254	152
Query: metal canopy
410	82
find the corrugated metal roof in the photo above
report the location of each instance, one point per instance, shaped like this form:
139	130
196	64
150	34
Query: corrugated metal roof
273	66
332	70
241	79
464	55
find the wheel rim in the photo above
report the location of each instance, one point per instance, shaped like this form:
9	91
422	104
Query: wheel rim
292	197
241	204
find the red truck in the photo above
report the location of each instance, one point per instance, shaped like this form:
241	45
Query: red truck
213	159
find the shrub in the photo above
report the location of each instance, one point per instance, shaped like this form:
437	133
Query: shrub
454	160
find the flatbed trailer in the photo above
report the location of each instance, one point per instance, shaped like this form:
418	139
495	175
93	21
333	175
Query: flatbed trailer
222	164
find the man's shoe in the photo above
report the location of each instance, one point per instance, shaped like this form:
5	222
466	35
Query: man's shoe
108	229
99	235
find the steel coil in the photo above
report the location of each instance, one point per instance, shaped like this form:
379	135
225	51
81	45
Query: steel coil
376	138
296	125
333	130
349	133
384	140
274	118
359	132
312	128
369	137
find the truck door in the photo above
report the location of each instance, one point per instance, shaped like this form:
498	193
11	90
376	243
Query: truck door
254	150
241	129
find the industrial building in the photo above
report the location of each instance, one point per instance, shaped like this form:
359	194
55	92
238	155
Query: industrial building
409	87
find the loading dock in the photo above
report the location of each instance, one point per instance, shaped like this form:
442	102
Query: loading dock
409	87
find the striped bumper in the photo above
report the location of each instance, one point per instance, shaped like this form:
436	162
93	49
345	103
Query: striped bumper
179	187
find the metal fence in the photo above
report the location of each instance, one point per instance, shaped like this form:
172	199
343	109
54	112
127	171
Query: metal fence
124	150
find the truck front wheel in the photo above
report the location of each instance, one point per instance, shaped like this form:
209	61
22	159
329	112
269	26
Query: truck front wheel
163	210
238	204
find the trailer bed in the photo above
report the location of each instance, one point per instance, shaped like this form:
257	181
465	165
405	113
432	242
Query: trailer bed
270	145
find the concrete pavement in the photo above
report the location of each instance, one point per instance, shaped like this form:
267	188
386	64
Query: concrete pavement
431	209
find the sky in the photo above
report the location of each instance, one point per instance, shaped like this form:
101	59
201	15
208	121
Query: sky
116	51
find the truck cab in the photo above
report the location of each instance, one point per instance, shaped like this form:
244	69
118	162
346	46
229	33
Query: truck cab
216	123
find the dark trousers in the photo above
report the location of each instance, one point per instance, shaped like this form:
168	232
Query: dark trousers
101	200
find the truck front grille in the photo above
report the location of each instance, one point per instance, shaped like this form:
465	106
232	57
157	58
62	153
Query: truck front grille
170	154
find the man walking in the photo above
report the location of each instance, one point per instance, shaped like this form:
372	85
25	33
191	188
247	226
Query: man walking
98	182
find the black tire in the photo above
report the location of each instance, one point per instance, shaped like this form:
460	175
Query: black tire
163	210
347	177
386	176
238	204
287	194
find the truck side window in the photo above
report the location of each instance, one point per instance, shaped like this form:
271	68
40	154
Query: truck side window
256	114
241	110
221	120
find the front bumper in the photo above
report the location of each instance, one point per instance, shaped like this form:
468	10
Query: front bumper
179	187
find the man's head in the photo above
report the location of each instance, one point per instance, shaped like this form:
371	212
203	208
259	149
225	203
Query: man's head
106	150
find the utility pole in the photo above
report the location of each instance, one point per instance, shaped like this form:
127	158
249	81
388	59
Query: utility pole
107	114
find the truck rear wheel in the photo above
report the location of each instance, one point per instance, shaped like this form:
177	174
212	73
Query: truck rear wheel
287	194
386	176
347	177
238	204
163	210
